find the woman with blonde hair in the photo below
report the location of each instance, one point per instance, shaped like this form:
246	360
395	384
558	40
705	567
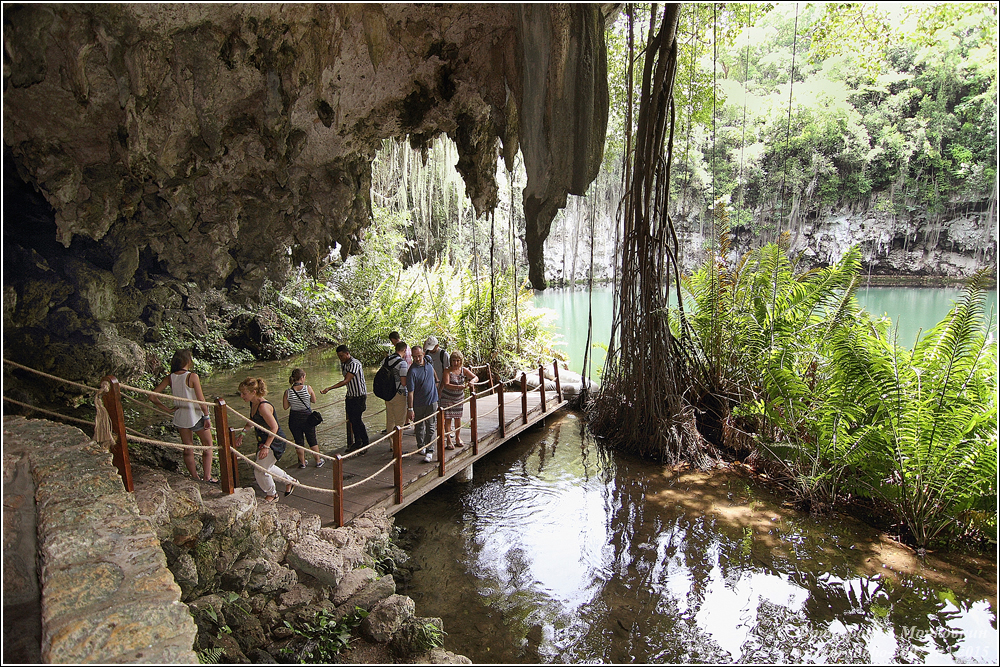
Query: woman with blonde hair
452	393
269	448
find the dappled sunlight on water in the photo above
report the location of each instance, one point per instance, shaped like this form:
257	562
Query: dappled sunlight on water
557	552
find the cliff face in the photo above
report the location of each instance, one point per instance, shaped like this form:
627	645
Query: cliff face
904	249
158	152
951	247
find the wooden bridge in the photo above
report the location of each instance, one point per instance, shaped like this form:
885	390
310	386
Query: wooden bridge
370	481
389	472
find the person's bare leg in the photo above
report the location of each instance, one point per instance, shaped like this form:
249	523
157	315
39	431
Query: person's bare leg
206	456
188	440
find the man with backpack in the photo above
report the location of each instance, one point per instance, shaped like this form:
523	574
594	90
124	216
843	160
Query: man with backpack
390	386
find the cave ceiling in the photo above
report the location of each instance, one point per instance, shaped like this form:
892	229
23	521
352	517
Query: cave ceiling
220	139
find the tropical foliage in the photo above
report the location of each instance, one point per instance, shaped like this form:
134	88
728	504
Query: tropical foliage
834	406
818	107
490	318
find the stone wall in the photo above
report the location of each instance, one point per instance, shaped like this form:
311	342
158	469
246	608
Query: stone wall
111	571
106	594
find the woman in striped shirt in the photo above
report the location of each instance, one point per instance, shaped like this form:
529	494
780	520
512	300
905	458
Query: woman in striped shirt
298	400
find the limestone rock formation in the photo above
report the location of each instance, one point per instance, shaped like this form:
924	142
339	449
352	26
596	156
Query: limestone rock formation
160	145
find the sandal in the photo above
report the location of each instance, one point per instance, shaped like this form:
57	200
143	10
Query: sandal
270	499
210	481
459	443
288	489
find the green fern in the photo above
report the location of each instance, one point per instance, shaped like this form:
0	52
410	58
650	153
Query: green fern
940	420
210	656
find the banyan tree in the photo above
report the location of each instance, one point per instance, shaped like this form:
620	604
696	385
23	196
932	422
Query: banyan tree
647	403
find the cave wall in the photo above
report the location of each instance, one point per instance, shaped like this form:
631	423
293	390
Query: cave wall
164	152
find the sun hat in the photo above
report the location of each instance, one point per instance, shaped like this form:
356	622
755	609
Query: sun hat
430	343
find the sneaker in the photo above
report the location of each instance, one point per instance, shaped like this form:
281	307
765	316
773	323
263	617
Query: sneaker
429	458
384	431
321	463
302	465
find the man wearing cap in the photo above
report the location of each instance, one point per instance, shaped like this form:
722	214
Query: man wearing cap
436	354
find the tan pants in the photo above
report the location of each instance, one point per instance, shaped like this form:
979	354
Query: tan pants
395	412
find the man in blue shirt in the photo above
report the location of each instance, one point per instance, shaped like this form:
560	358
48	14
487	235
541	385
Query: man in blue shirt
422	399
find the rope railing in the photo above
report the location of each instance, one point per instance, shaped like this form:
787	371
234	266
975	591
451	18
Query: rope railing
370	477
51	377
284	478
43	411
112	393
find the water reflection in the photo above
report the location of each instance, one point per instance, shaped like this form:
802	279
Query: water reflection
559	552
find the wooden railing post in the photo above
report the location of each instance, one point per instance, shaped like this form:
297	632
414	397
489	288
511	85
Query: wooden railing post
500	411
474	421
541	385
440	442
555	371
524	396
222	435
338	490
119	449
234	461
397	450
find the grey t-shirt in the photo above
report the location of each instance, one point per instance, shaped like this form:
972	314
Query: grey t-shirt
398	372
440	360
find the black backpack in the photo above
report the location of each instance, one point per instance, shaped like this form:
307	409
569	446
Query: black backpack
384	385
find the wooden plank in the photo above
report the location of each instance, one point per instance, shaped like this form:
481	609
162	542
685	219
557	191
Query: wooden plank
418	478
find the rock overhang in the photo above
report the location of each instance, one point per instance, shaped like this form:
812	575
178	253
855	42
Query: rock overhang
218	137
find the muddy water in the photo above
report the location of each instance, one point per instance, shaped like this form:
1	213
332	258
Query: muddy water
557	552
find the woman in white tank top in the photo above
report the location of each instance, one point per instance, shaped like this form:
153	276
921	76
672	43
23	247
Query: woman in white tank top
189	418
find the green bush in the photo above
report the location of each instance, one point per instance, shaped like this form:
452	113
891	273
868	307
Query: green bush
836	405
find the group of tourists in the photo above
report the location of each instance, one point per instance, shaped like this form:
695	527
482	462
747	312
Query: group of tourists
425	378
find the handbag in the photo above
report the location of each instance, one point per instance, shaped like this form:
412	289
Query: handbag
314	417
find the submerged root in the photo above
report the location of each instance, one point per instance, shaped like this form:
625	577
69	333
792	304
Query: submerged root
672	438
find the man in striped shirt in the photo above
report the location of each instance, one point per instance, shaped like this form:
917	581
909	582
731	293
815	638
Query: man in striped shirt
357	394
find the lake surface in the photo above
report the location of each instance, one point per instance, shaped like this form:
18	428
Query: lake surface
559	551
911	309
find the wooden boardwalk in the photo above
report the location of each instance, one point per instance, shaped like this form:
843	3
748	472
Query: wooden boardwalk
418	477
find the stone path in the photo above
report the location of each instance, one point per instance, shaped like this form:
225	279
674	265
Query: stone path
22	602
106	592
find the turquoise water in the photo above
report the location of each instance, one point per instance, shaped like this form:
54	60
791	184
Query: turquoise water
911	309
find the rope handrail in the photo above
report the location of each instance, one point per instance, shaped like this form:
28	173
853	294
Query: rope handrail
372	476
51	377
283	477
49	412
146	404
172	445
147	392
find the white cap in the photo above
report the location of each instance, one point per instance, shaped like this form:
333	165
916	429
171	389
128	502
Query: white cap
430	343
